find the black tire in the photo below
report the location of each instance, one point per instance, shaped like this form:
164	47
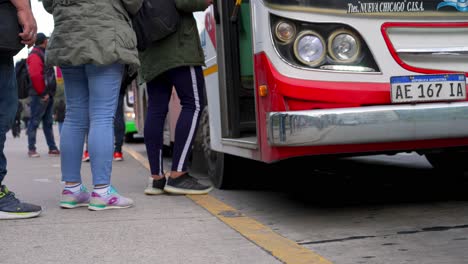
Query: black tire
129	138
449	161
221	167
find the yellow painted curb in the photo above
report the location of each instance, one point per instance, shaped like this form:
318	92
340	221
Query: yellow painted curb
280	247
140	158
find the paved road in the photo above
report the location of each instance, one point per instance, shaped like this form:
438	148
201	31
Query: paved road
374	209
369	210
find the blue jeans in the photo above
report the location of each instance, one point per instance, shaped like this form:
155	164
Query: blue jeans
119	126
41	111
8	106
91	94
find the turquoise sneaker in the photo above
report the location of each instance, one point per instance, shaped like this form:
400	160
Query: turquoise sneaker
71	200
112	200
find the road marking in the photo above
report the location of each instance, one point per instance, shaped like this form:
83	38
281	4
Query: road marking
280	247
140	158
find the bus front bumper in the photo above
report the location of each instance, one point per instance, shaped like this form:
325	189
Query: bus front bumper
371	124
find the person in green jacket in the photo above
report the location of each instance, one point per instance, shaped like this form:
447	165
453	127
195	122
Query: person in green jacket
92	42
175	61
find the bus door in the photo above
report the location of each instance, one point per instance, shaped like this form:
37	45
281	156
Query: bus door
235	61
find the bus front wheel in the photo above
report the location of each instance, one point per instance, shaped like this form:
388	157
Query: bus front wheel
219	165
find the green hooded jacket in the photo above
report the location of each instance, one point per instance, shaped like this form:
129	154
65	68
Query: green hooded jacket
92	32
181	48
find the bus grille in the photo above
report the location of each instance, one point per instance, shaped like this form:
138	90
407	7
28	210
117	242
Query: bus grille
428	47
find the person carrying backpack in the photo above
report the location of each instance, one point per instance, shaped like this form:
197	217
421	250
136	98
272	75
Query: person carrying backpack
175	61
42	97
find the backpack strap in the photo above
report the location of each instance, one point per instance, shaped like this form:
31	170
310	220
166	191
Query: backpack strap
39	52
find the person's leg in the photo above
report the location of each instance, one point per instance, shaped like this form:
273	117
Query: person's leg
104	85
119	125
10	206
47	123
76	122
72	136
159	93
8	104
189	84
37	112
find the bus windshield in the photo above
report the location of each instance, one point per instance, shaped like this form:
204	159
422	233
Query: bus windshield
460	7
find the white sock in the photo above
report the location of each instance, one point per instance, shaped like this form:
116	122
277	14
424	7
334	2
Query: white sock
73	188
102	190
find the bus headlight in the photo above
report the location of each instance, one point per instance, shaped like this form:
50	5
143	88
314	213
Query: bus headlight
285	31
309	48
344	46
130	115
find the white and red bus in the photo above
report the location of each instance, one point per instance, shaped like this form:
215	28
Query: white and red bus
291	78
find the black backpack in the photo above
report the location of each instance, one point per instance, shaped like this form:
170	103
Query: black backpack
155	20
22	78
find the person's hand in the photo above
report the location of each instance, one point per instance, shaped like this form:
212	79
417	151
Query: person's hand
27	21
45	98
209	2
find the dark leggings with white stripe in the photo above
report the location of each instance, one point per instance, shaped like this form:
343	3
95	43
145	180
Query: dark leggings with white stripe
189	83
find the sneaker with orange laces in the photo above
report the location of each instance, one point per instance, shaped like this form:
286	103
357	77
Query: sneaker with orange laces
85	157
118	156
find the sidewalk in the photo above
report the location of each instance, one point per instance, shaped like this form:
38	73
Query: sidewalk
158	229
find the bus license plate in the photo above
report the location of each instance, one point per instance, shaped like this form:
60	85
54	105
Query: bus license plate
424	88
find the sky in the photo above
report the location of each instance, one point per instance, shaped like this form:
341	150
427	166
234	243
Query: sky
45	23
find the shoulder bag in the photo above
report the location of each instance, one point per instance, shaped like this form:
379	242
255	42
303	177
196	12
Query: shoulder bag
155	20
10	42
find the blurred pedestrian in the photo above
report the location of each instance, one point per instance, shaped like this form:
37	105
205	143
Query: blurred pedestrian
26	113
42	97
119	121
16	128
175	61
91	42
10	206
59	113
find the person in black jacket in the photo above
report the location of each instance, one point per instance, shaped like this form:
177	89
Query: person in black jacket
10	206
